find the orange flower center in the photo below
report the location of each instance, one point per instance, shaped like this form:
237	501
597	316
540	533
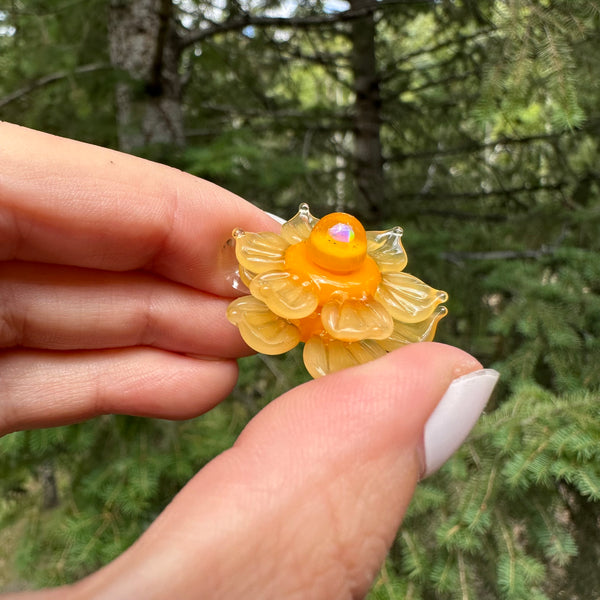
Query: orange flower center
335	259
338	243
309	326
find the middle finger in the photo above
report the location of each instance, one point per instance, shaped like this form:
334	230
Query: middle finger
65	308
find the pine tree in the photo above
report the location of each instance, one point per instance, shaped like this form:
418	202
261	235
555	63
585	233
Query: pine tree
488	125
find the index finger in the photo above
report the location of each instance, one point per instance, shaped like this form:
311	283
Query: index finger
72	203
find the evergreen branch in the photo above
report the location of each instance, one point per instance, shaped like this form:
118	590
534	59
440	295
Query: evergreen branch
43	11
287	48
459	39
458	257
564	552
526	463
494	255
591	488
463	577
441	81
49	79
504	192
510	583
464	215
273	115
543	250
474	146
320	58
483	506
389	73
333	63
307	22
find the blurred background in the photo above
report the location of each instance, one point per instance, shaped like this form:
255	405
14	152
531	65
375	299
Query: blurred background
472	124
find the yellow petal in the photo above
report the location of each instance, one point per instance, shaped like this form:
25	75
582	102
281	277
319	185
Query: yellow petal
260	252
261	328
298	228
323	357
285	294
246	276
409	333
385	248
407	298
352	320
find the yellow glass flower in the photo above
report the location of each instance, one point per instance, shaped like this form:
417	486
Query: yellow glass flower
334	286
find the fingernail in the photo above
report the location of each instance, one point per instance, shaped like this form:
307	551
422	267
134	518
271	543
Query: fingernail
455	416
276	218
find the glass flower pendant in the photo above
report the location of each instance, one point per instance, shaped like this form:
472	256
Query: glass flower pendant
337	288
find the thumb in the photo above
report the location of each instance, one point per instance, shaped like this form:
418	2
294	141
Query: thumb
308	500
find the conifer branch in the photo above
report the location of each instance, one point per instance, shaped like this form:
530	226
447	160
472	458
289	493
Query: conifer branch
544	250
389	73
292	22
456	40
274	115
458	257
474	146
463	577
504	192
464	215
49	79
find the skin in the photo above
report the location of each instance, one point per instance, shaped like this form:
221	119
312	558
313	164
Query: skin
115	275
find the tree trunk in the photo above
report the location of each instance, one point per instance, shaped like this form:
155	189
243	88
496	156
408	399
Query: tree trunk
47	480
144	45
367	119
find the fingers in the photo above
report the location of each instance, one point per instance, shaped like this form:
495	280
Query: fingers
80	385
67	308
307	502
75	204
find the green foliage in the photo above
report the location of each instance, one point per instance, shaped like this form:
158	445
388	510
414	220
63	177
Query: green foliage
489	128
114	475
541	40
55	68
264	172
506	501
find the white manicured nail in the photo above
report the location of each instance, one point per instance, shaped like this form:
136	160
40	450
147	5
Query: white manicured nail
278	219
454	417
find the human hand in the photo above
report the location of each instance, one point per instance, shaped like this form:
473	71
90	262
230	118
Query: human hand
113	290
114	282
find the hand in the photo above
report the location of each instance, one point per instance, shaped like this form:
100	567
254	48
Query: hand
113	285
114	281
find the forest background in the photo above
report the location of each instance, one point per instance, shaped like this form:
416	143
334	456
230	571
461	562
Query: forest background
472	124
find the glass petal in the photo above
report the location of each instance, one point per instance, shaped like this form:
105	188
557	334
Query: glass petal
323	357
409	333
407	298
385	248
260	252
246	276
365	351
315	357
350	320
298	228
260	327
286	294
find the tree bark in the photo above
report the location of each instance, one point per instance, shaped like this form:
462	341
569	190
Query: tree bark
368	166
144	45
47	480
